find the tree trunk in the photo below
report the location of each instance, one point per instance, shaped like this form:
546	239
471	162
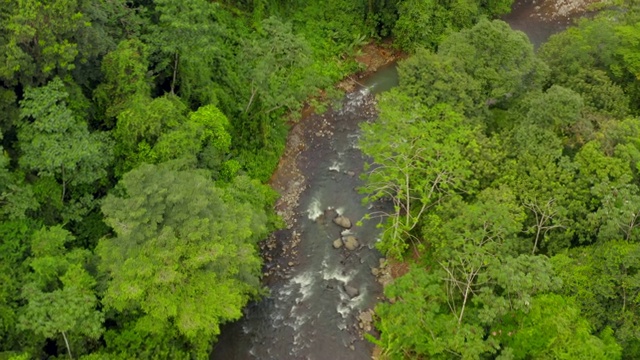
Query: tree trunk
464	302
175	73
67	343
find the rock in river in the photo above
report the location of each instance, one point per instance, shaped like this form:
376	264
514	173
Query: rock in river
351	291
342	221
350	242
337	243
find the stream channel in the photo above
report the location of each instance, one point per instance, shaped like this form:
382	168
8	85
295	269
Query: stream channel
307	313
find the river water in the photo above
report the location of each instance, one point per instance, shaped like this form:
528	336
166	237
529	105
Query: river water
307	313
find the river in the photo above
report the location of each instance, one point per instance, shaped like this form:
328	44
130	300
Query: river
307	313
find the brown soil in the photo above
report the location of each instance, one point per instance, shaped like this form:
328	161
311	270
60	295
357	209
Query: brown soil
398	268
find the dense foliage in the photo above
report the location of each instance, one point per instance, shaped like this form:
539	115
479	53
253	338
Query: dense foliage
136	137
514	182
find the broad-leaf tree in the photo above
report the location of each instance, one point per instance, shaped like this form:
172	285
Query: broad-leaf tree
418	158
184	255
56	143
61	303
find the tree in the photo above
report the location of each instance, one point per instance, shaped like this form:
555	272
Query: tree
500	59
14	271
599	92
125	72
205	134
184	257
55	143
435	79
418	322
276	75
557	109
601	174
554	329
38	40
16	197
60	297
422	24
597	45
187	41
428	23
276	61
158	130
476	245
475	280
418	158
603	279
543	181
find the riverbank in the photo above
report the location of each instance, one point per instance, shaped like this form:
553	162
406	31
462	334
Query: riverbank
539	20
288	180
320	297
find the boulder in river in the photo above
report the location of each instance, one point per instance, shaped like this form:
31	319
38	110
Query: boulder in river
342	221
337	243
351	291
350	242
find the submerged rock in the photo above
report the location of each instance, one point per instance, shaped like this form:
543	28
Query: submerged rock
342	221
330	213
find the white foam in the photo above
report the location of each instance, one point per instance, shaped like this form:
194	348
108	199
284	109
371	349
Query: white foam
315	210
355	99
336	166
343	309
347	305
337	274
305	282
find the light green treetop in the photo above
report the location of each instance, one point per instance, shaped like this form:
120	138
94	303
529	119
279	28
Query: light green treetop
184	254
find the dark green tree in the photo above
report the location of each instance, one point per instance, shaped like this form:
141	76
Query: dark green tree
500	59
56	143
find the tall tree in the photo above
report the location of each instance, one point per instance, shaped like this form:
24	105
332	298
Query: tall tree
499	58
475	279
39	39
125	77
433	79
186	43
554	329
184	257
55	143
60	299
418	158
